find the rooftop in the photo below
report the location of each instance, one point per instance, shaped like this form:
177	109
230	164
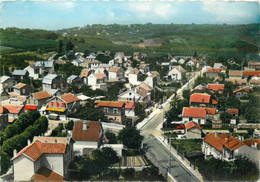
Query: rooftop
214	70
195	112
191	125
35	150
48	78
200	98
19	85
114	69
92	132
41	95
69	98
215	87
45	174
109	104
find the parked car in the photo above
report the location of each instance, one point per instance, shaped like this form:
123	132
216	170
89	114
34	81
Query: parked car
181	127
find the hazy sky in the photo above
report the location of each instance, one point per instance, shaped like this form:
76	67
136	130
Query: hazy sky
53	15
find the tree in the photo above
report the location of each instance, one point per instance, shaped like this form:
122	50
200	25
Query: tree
69	125
60	47
186	94
130	137
140	112
225	117
111	137
129	173
69	46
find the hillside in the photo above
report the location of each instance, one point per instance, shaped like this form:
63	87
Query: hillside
155	39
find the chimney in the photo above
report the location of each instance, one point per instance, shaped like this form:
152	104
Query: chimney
85	125
15	152
28	141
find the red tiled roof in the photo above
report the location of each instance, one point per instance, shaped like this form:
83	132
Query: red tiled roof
30	107
41	95
100	75
223	140
14	109
36	149
114	69
235	73
214	101
215	87
70	98
44	174
192	124
109	104
232	111
210	111
134	71
241	89
250	142
85	72
251	73
195	112
93	132
128	105
19	85
214	70
200	98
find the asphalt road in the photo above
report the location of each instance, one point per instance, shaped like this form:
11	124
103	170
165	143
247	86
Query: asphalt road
161	154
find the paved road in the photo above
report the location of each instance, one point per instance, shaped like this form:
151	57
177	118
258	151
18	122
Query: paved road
161	154
159	151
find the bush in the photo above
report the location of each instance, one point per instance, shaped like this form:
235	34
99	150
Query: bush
69	125
129	173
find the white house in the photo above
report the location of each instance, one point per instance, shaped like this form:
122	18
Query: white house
87	135
43	160
129	95
134	74
191	63
33	73
195	114
227	147
91	57
116	73
77	62
129	108
97	81
13	111
177	73
173	60
181	61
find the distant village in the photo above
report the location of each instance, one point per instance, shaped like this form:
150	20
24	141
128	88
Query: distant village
225	130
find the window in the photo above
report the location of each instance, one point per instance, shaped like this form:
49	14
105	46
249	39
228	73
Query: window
105	110
199	121
58	104
115	111
130	93
190	119
51	103
63	104
23	91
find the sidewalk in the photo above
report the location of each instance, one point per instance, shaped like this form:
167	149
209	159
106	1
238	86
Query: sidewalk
174	152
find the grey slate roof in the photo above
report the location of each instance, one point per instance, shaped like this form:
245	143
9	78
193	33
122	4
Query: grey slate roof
48	78
72	77
19	72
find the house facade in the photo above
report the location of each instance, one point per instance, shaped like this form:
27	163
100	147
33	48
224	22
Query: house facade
36	100
7	83
114	111
20	74
193	130
133	77
97	81
52	82
23	89
74	80
176	73
116	73
14	111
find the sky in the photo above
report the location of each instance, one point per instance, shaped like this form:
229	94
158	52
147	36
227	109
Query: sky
53	15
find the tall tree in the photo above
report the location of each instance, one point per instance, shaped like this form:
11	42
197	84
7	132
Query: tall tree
130	137
60	47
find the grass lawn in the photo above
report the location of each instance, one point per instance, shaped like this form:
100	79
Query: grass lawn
187	145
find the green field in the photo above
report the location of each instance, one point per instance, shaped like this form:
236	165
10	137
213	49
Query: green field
209	40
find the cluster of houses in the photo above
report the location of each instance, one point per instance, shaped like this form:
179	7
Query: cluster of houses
202	111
